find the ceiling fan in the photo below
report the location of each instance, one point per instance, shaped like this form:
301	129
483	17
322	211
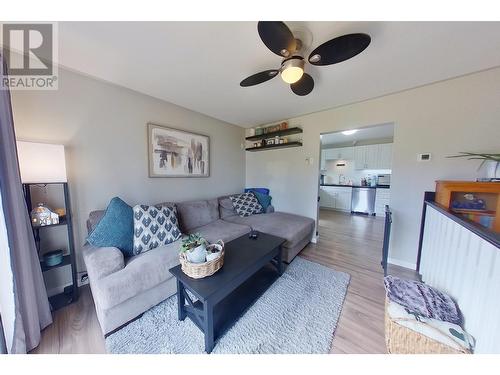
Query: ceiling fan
280	40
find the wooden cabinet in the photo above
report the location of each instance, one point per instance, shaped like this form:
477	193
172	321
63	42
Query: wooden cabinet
335	197
488	192
382	198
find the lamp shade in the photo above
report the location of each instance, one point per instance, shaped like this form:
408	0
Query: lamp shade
41	162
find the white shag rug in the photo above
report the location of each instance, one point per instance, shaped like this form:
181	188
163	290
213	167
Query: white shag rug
297	314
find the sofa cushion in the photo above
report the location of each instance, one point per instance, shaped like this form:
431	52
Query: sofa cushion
141	273
154	226
293	228
195	214
221	230
246	204
226	207
116	228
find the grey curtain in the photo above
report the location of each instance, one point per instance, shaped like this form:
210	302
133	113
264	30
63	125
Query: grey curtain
31	302
3	345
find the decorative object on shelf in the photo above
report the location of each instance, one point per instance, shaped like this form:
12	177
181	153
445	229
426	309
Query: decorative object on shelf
275	147
60	211
282	132
41	215
213	255
259	131
177	153
281	141
270	141
284	125
53	258
470	203
492	161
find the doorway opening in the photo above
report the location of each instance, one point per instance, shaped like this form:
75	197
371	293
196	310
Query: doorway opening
354	181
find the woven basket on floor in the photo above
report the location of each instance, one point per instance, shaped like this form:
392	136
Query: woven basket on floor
201	270
403	340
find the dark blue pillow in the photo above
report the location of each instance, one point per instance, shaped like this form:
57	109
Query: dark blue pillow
116	228
260	190
264	200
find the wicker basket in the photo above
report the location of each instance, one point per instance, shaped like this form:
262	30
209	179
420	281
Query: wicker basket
201	270
403	340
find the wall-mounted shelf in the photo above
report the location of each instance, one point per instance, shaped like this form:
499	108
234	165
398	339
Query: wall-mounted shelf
275	147
283	132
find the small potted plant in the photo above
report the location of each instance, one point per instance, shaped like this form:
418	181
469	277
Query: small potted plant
195	248
492	160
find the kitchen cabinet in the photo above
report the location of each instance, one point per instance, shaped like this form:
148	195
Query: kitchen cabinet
382	198
335	197
373	156
342	153
384	156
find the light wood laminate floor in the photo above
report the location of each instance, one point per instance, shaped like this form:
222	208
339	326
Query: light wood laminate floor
348	243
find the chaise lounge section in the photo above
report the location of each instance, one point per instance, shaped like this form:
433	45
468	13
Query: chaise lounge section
123	288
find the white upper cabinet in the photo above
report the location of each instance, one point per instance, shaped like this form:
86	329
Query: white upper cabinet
365	157
371	157
360	157
385	156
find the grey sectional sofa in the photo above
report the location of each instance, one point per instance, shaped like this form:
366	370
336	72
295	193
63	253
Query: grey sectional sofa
124	288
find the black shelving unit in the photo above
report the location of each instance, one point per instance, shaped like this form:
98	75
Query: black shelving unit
70	293
283	132
274	147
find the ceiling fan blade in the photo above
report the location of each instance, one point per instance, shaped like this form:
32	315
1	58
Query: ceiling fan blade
339	49
277	37
303	86
260	77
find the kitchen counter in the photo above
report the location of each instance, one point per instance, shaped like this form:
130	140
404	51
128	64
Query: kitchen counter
359	186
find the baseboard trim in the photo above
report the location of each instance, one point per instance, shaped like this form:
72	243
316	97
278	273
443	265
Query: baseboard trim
402	263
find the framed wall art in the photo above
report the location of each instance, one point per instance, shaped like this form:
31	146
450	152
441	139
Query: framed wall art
177	153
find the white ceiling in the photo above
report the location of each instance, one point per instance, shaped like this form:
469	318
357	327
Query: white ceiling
198	65
384	131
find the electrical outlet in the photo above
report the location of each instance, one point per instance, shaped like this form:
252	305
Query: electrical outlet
83	278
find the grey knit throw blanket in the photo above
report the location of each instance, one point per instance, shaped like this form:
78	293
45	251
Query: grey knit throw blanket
422	299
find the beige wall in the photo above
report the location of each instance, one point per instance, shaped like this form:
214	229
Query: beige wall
462	114
103	127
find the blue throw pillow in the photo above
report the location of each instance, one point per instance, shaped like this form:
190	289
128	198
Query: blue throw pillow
260	190
264	200
116	228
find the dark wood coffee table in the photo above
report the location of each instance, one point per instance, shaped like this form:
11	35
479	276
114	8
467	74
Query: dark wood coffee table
250	267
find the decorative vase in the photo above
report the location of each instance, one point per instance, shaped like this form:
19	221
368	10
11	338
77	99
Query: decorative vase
198	254
492	169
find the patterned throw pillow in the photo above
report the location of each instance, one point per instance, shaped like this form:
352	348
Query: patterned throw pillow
154	226
246	204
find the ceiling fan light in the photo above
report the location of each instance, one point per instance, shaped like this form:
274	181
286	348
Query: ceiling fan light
292	75
292	69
